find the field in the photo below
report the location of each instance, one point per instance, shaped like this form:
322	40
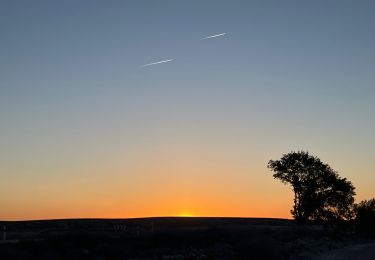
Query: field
168	238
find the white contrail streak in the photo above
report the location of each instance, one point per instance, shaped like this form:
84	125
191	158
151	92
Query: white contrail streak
214	36
158	62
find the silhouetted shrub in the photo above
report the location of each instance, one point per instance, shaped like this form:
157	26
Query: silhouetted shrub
365	217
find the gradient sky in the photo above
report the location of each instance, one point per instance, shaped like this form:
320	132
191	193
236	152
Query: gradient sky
86	132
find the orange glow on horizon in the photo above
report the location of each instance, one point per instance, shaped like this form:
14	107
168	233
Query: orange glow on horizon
170	182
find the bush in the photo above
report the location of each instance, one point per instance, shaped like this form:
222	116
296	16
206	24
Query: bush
365	217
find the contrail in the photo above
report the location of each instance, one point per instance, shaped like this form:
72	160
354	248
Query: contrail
214	36
158	62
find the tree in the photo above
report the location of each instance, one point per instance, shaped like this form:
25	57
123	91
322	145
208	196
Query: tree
365	216
319	192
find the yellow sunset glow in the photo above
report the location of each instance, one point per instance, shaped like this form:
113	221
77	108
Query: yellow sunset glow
186	214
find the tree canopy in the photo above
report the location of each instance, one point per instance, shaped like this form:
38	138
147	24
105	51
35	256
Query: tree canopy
319	192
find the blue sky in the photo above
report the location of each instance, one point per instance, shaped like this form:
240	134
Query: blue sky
287	75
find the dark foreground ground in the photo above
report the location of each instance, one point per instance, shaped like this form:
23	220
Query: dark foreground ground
172	238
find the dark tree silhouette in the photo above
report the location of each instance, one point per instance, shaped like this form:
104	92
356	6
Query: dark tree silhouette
319	192
365	216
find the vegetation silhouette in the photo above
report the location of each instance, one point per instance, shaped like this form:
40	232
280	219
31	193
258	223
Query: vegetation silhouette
319	192
365	217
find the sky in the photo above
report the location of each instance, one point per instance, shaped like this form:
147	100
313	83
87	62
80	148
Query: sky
86	131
